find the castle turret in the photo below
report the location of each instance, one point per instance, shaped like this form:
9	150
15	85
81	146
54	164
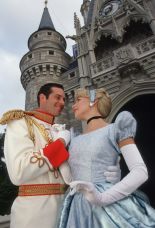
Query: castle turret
45	61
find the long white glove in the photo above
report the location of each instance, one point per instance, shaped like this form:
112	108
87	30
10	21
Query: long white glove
65	172
58	131
113	173
137	176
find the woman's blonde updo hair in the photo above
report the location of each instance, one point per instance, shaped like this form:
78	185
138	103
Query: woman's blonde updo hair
104	103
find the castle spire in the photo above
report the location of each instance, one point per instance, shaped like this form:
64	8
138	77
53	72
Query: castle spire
90	12
46	21
46	3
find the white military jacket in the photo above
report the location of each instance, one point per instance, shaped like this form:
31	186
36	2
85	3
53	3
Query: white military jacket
27	165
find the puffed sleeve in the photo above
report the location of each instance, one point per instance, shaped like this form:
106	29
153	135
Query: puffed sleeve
124	126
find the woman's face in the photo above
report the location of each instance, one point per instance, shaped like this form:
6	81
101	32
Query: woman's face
81	108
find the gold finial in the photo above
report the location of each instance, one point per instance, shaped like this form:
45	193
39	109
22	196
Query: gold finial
46	3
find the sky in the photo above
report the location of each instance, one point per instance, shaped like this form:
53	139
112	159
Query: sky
18	20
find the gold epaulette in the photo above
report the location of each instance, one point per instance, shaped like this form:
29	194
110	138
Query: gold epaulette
17	114
14	114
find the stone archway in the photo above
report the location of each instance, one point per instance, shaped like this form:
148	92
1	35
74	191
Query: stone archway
143	109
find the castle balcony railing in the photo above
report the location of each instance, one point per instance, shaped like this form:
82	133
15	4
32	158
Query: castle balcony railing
124	56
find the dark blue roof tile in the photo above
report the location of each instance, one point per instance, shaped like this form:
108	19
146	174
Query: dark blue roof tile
46	21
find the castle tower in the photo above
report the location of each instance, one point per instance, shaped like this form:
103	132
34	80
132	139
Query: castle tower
45	61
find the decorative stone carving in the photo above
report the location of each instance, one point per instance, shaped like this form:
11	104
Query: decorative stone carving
124	55
102	65
146	46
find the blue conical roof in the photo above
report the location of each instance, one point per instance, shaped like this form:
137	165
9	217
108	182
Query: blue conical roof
46	21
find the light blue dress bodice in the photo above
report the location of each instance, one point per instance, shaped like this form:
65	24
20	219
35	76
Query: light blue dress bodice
92	153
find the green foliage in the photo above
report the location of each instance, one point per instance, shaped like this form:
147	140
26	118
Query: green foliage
2	171
2	135
8	191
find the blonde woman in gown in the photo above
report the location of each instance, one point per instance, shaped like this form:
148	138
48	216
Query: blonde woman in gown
93	202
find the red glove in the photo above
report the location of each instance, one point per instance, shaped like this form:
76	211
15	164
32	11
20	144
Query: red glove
56	153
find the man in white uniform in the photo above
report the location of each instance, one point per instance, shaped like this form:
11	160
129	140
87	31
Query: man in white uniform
36	156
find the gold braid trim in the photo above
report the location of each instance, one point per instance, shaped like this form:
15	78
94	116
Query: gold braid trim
12	115
17	114
42	130
42	189
29	123
37	157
